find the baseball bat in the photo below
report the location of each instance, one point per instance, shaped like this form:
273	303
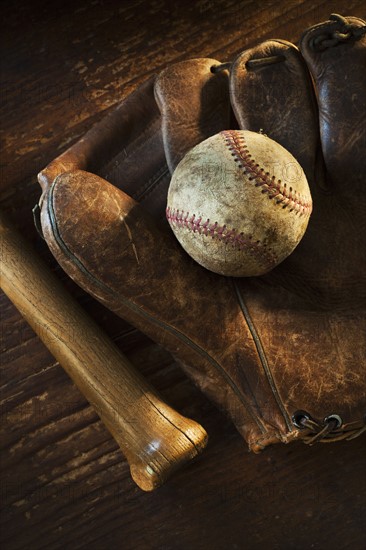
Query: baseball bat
155	439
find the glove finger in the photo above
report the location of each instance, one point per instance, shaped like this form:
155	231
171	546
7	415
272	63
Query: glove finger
125	148
271	91
335	52
194	104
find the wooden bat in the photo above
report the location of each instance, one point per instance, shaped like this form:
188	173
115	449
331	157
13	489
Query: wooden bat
155	439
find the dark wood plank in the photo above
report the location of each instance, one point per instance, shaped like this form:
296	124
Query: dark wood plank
64	481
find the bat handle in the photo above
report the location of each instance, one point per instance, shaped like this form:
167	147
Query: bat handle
155	438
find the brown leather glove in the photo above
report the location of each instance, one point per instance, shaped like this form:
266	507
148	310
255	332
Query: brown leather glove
284	353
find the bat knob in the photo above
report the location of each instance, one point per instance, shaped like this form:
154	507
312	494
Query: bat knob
176	441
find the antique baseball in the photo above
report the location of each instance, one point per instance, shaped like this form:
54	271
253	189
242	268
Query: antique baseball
239	203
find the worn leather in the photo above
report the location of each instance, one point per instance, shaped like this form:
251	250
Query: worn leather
204	111
126	146
269	98
262	348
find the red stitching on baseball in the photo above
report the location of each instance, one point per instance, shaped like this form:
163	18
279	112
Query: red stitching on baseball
259	251
238	147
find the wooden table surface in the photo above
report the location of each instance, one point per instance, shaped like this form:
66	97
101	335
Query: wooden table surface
65	483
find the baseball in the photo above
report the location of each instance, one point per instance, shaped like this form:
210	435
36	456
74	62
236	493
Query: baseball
239	203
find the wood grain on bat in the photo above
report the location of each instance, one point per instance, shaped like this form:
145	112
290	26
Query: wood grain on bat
155	438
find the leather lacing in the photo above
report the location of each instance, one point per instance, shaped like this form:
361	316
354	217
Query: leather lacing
318	43
251	63
326	431
328	40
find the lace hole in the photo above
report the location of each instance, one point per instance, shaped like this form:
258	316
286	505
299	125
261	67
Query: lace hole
298	418
334	418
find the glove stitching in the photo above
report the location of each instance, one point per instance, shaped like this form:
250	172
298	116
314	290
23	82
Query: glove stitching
262	355
152	184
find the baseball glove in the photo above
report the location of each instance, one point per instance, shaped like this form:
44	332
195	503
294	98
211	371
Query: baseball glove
283	354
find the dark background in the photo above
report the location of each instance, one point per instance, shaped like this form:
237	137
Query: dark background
64	481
